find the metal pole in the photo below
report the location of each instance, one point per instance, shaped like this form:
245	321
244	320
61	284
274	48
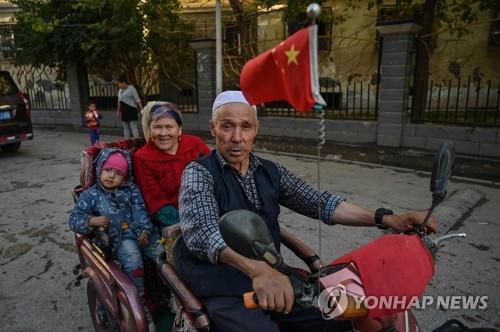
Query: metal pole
218	48
313	11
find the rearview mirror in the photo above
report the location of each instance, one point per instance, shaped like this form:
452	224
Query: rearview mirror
442	170
247	233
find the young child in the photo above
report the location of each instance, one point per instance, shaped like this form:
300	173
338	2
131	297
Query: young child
116	203
91	118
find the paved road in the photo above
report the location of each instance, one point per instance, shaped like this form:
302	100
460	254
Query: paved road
37	251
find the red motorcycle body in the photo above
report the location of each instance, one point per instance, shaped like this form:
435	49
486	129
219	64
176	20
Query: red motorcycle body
377	284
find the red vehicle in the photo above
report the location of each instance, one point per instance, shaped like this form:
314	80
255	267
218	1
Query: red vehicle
397	266
115	305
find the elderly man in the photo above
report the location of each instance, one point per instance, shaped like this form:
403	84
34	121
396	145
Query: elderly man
231	177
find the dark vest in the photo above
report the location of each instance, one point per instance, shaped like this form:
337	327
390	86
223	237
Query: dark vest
207	279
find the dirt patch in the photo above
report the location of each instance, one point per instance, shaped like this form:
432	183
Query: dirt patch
17	250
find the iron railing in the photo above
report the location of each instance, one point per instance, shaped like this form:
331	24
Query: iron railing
105	96
470	102
355	101
48	98
184	96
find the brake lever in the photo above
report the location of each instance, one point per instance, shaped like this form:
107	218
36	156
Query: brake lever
449	236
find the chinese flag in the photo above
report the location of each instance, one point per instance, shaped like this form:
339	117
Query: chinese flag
288	72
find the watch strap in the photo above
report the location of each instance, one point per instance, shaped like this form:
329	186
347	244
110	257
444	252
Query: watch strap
379	215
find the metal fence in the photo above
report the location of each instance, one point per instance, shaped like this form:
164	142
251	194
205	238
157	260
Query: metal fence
105	96
470	102
355	101
184	96
48	98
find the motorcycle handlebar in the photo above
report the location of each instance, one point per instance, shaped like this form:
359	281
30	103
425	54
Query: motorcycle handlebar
250	300
304	294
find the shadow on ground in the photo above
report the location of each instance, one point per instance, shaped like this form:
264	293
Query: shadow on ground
483	168
476	167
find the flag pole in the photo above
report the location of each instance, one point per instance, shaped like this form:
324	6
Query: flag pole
218	48
313	11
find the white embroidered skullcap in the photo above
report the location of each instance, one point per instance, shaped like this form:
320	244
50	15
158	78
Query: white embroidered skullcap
227	97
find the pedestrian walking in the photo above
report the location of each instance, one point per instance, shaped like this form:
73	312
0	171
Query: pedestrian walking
129	104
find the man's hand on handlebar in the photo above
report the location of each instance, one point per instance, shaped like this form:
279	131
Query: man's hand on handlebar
274	290
400	223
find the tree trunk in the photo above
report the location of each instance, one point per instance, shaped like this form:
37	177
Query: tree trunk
424	49
243	22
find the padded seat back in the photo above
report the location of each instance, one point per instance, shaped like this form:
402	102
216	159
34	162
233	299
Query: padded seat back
89	155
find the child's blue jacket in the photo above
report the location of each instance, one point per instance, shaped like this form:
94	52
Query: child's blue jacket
125	204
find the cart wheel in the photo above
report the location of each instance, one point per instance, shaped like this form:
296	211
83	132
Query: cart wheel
101	317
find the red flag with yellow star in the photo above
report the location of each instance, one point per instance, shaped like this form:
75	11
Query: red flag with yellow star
288	72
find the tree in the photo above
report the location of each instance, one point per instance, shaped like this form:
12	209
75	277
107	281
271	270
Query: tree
452	16
243	21
133	37
245	13
434	15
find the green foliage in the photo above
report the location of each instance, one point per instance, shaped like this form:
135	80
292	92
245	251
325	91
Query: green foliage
295	10
450	15
118	36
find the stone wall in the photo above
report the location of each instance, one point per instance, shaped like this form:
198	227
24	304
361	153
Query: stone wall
474	141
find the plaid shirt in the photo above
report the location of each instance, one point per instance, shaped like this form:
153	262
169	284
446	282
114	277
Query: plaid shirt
199	211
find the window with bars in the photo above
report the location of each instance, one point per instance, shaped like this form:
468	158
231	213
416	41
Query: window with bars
232	40
494	38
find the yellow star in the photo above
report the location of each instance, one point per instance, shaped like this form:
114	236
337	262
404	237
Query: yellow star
292	55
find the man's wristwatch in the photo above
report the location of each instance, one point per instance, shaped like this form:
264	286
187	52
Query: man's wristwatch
379	214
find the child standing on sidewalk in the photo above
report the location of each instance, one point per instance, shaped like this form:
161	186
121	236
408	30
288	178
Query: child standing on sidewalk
91	118
116	203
